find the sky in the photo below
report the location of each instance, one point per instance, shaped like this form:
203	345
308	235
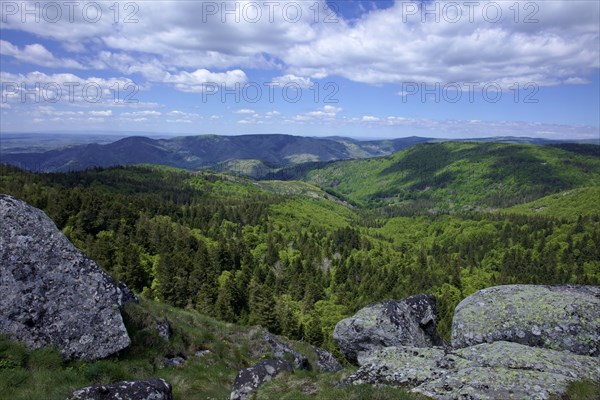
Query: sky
371	69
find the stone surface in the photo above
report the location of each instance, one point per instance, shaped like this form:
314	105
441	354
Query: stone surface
127	296
174	361
52	295
150	389
408	322
248	380
561	317
326	362
164	330
282	351
499	370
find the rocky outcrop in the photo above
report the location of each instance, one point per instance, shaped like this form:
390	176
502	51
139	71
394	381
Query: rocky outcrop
555	317
499	370
408	322
52	295
326	362
509	342
282	351
250	379
150	389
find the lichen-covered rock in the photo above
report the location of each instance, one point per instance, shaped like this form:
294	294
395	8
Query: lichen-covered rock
505	370
403	366
52	295
564	317
484	383
150	389
282	351
326	362
163	329
499	370
248	380
408	322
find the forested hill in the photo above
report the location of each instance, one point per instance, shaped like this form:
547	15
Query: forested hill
195	152
295	259
454	176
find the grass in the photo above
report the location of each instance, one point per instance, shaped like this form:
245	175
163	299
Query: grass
302	385
584	390
42	373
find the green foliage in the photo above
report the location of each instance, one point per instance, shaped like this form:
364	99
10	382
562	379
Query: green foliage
453	176
569	204
294	259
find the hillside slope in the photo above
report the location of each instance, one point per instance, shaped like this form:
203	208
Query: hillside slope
459	175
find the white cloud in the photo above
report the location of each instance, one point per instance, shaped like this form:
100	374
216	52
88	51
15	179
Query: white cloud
203	80
63	88
182	116
327	111
38	55
576	81
369	118
298	81
245	111
105	113
145	113
381	46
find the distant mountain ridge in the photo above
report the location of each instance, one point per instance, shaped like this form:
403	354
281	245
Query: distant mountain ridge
195	152
252	155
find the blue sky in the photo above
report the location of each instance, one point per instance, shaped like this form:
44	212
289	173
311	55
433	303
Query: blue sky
314	68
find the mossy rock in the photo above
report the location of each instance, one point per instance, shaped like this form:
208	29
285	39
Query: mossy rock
562	317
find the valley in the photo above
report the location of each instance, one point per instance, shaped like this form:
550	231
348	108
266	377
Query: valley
297	256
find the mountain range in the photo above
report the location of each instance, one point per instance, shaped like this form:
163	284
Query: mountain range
252	155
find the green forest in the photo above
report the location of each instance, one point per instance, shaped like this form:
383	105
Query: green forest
297	256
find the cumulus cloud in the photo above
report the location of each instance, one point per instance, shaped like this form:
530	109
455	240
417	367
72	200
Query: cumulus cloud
145	113
36	54
298	81
387	46
369	118
182	116
576	81
104	113
202	80
245	111
381	46
64	88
